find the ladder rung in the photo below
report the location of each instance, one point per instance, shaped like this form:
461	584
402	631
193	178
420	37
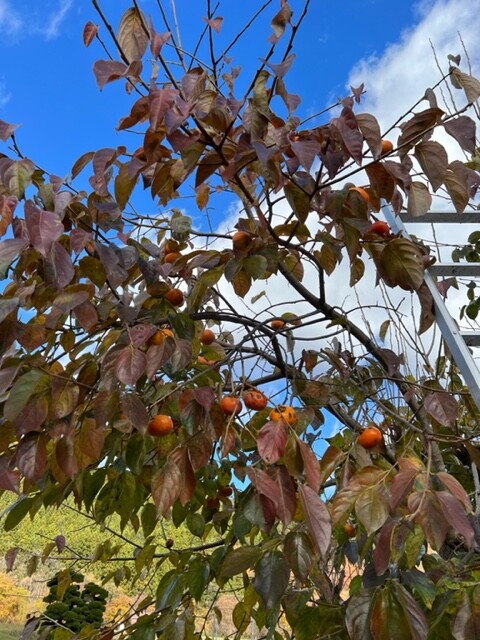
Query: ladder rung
471	339
471	269
448	217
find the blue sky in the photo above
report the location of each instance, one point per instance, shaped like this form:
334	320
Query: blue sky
47	83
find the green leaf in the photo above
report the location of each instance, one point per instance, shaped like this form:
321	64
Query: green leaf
300	554
148	519
239	560
196	524
170	590
371	508
197	577
22	391
271	578
298	200
17	513
255	266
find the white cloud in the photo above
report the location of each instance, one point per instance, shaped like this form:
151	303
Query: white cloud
11	22
395	80
56	18
46	23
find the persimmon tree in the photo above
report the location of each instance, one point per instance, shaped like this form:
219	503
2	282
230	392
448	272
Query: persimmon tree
103	313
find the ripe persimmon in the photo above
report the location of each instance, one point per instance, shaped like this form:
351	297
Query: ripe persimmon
350	530
231	405
175	297
255	400
159	336
241	240
381	228
171	246
370	437
160	425
360	190
207	336
284	412
172	256
277	324
387	146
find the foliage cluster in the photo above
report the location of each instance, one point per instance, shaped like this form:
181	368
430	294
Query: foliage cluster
101	331
71	607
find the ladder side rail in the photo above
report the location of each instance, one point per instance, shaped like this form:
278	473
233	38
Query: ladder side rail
448	327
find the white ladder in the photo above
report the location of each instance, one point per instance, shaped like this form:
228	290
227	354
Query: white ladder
455	340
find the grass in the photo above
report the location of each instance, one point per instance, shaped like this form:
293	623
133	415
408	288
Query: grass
10	631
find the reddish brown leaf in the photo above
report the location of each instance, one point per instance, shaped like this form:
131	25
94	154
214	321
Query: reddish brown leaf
443	407
427	314
32	416
454	514
272	440
8	205
383	547
351	136
107	71
311	466
130	365
61	265
157	355
6	130
32	456
330	461
215	23
166	487
280	22
381	180
9	477
419	200
417	127
140	333
463	129
370	129
102	161
456	489
401	485
200	449
181	457
205	396
44	227
157	40
65	453
433	160
286	503
318	519
263	483
456	184
135	412
160	102
430	516
91	438
90	30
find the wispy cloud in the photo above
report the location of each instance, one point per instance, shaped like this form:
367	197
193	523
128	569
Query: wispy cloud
56	18
5	94
46	24
11	22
